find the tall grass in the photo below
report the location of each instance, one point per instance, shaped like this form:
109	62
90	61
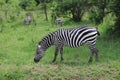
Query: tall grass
18	46
17	49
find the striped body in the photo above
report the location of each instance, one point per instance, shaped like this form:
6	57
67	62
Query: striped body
72	37
75	37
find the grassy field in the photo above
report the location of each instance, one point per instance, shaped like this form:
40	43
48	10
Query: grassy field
17	50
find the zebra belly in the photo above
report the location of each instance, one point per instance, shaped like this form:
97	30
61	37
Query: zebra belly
71	45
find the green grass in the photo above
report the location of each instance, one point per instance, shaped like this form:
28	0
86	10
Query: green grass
18	45
17	50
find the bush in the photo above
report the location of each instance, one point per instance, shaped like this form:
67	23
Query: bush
27	4
108	23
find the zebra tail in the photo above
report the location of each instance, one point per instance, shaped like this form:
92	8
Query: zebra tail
98	33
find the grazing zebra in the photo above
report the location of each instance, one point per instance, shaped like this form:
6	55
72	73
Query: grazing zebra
59	22
73	37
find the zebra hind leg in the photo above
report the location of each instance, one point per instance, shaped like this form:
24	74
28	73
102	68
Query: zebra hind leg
91	47
91	57
96	53
93	50
61	52
55	54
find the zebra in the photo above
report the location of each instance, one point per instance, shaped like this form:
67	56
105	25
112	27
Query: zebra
72	37
58	21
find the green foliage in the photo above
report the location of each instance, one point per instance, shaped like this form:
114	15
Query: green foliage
115	6
1	3
99	9
37	2
47	1
6	1
27	4
42	1
108	24
18	46
74	7
24	4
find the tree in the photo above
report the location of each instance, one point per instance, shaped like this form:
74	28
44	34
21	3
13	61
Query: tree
44	3
45	9
25	4
74	7
99	8
1	3
37	2
115	7
6	1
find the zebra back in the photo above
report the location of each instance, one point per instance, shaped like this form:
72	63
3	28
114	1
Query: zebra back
73	37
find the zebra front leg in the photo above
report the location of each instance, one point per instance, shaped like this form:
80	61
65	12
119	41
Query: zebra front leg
61	52
55	54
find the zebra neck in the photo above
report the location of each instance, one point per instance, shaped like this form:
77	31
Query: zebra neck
47	41
45	46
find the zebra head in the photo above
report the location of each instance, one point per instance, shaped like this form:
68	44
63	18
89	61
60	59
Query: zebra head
39	54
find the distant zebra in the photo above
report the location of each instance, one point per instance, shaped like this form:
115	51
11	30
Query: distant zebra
27	20
58	21
73	37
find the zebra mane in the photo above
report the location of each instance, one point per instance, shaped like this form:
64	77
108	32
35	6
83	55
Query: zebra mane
47	41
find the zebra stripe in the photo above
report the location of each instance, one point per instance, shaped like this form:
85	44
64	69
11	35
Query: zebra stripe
73	37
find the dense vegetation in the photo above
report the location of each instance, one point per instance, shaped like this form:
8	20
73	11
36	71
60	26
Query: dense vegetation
18	40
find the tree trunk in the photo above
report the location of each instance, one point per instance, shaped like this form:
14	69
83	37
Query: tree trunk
76	18
45	10
76	14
